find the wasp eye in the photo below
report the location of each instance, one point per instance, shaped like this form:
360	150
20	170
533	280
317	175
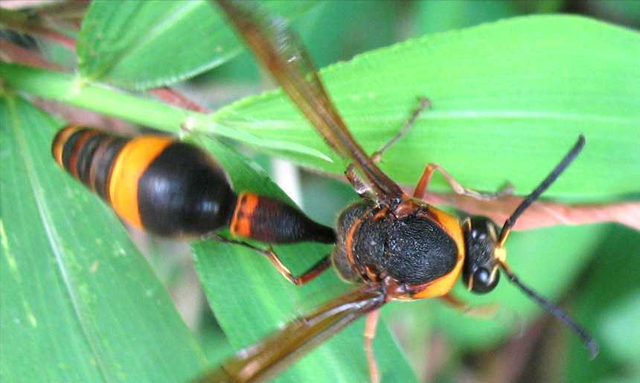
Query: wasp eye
483	282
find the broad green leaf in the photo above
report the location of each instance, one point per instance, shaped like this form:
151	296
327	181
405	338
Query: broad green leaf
123	42
250	299
79	303
509	99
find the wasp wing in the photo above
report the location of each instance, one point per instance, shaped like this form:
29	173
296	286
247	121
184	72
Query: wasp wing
282	54
264	360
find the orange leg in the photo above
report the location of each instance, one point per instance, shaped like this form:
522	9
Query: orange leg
315	270
484	311
307	276
423	183
370	327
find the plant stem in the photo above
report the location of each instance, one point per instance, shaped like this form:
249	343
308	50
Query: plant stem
97	97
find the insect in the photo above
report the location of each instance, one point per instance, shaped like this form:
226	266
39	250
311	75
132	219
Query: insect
174	189
393	246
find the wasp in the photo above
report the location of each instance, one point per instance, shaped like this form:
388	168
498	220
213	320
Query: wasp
391	245
174	189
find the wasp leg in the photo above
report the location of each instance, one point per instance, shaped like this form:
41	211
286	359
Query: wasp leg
315	270
358	184
370	327
423	104
484	311
456	186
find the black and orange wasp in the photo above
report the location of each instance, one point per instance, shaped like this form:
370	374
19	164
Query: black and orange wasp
391	245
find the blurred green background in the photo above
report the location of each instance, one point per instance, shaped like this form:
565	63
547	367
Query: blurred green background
598	281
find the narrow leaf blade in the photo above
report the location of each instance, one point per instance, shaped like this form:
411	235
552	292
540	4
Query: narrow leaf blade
123	42
78	300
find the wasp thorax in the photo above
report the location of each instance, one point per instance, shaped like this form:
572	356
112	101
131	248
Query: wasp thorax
480	272
413	249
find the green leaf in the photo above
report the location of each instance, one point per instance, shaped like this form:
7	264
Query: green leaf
612	286
509	99
250	299
123	42
79	303
70	89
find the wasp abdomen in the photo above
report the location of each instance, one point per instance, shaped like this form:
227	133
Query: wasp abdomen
172	188
152	182
270	220
183	192
87	155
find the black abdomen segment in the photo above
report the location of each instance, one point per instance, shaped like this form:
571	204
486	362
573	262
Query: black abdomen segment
183	192
271	220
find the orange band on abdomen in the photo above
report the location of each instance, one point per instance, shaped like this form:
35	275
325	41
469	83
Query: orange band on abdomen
133	160
60	140
241	221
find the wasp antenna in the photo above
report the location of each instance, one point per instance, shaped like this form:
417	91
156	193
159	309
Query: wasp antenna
554	310
566	161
